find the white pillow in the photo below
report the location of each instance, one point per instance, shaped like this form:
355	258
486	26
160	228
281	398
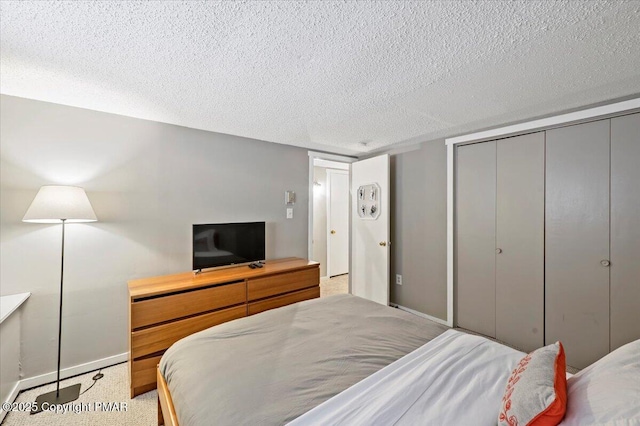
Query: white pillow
608	391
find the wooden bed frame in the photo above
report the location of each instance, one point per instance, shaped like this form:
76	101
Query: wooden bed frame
166	410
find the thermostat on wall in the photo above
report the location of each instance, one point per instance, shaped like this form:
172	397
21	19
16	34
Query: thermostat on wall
289	197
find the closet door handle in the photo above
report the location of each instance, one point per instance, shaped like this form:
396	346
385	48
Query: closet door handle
605	262
498	250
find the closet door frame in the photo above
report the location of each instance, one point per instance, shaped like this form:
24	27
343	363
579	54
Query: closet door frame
591	114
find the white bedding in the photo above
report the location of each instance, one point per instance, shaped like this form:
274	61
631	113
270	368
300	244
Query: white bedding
608	391
454	379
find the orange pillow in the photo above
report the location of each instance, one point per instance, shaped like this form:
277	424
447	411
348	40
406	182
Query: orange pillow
536	392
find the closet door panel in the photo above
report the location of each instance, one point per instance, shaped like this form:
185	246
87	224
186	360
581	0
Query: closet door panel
520	241
475	237
625	230
577	240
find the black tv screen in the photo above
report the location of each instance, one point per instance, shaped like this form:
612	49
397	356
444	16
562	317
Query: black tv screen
222	244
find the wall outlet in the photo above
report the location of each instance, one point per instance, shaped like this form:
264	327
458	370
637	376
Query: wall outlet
289	213
398	279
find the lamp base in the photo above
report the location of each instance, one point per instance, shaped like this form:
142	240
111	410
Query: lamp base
46	400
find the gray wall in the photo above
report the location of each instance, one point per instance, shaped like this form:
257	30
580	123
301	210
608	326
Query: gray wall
320	219
148	183
419	228
9	355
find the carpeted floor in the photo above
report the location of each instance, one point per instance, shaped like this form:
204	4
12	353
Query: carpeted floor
92	406
335	285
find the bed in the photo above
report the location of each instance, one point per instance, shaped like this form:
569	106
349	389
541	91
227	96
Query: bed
438	385
344	360
428	386
273	367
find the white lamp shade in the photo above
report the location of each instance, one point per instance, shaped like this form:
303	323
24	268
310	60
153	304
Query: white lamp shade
54	203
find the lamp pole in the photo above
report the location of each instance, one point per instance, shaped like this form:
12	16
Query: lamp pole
60	311
59	204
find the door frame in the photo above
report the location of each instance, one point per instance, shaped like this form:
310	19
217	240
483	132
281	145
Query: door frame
315	155
590	114
328	230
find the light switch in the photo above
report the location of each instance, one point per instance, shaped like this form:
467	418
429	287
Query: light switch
289	213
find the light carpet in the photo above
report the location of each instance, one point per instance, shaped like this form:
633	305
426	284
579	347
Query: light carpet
334	285
112	388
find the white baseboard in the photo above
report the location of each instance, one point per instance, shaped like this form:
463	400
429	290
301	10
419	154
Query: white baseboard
65	373
44	379
12	397
420	314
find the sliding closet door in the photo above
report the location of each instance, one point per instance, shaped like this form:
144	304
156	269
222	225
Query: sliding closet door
520	241
577	241
625	230
475	237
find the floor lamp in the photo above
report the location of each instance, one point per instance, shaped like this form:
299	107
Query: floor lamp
59	204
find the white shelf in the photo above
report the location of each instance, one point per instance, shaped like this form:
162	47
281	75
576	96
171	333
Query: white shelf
8	304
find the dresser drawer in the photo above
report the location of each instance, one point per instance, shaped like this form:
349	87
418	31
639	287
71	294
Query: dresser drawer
260	288
159	338
166	308
286	299
143	374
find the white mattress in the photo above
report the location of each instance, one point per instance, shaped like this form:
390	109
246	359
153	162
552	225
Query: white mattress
454	379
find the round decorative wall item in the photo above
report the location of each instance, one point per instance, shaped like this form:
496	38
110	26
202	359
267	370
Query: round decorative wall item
369	201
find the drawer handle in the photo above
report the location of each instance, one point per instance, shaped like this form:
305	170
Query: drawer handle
605	262
498	250
383	244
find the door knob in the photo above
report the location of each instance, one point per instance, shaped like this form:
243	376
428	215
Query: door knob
605	262
383	243
333	231
498	250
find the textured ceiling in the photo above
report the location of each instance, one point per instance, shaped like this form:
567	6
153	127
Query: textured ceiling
326	75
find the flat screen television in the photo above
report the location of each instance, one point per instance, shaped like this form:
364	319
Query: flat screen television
223	244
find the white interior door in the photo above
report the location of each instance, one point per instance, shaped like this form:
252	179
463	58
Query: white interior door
370	229
337	222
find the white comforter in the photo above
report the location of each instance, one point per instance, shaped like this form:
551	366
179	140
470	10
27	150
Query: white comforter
455	379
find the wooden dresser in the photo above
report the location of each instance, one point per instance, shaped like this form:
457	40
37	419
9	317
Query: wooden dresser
163	310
